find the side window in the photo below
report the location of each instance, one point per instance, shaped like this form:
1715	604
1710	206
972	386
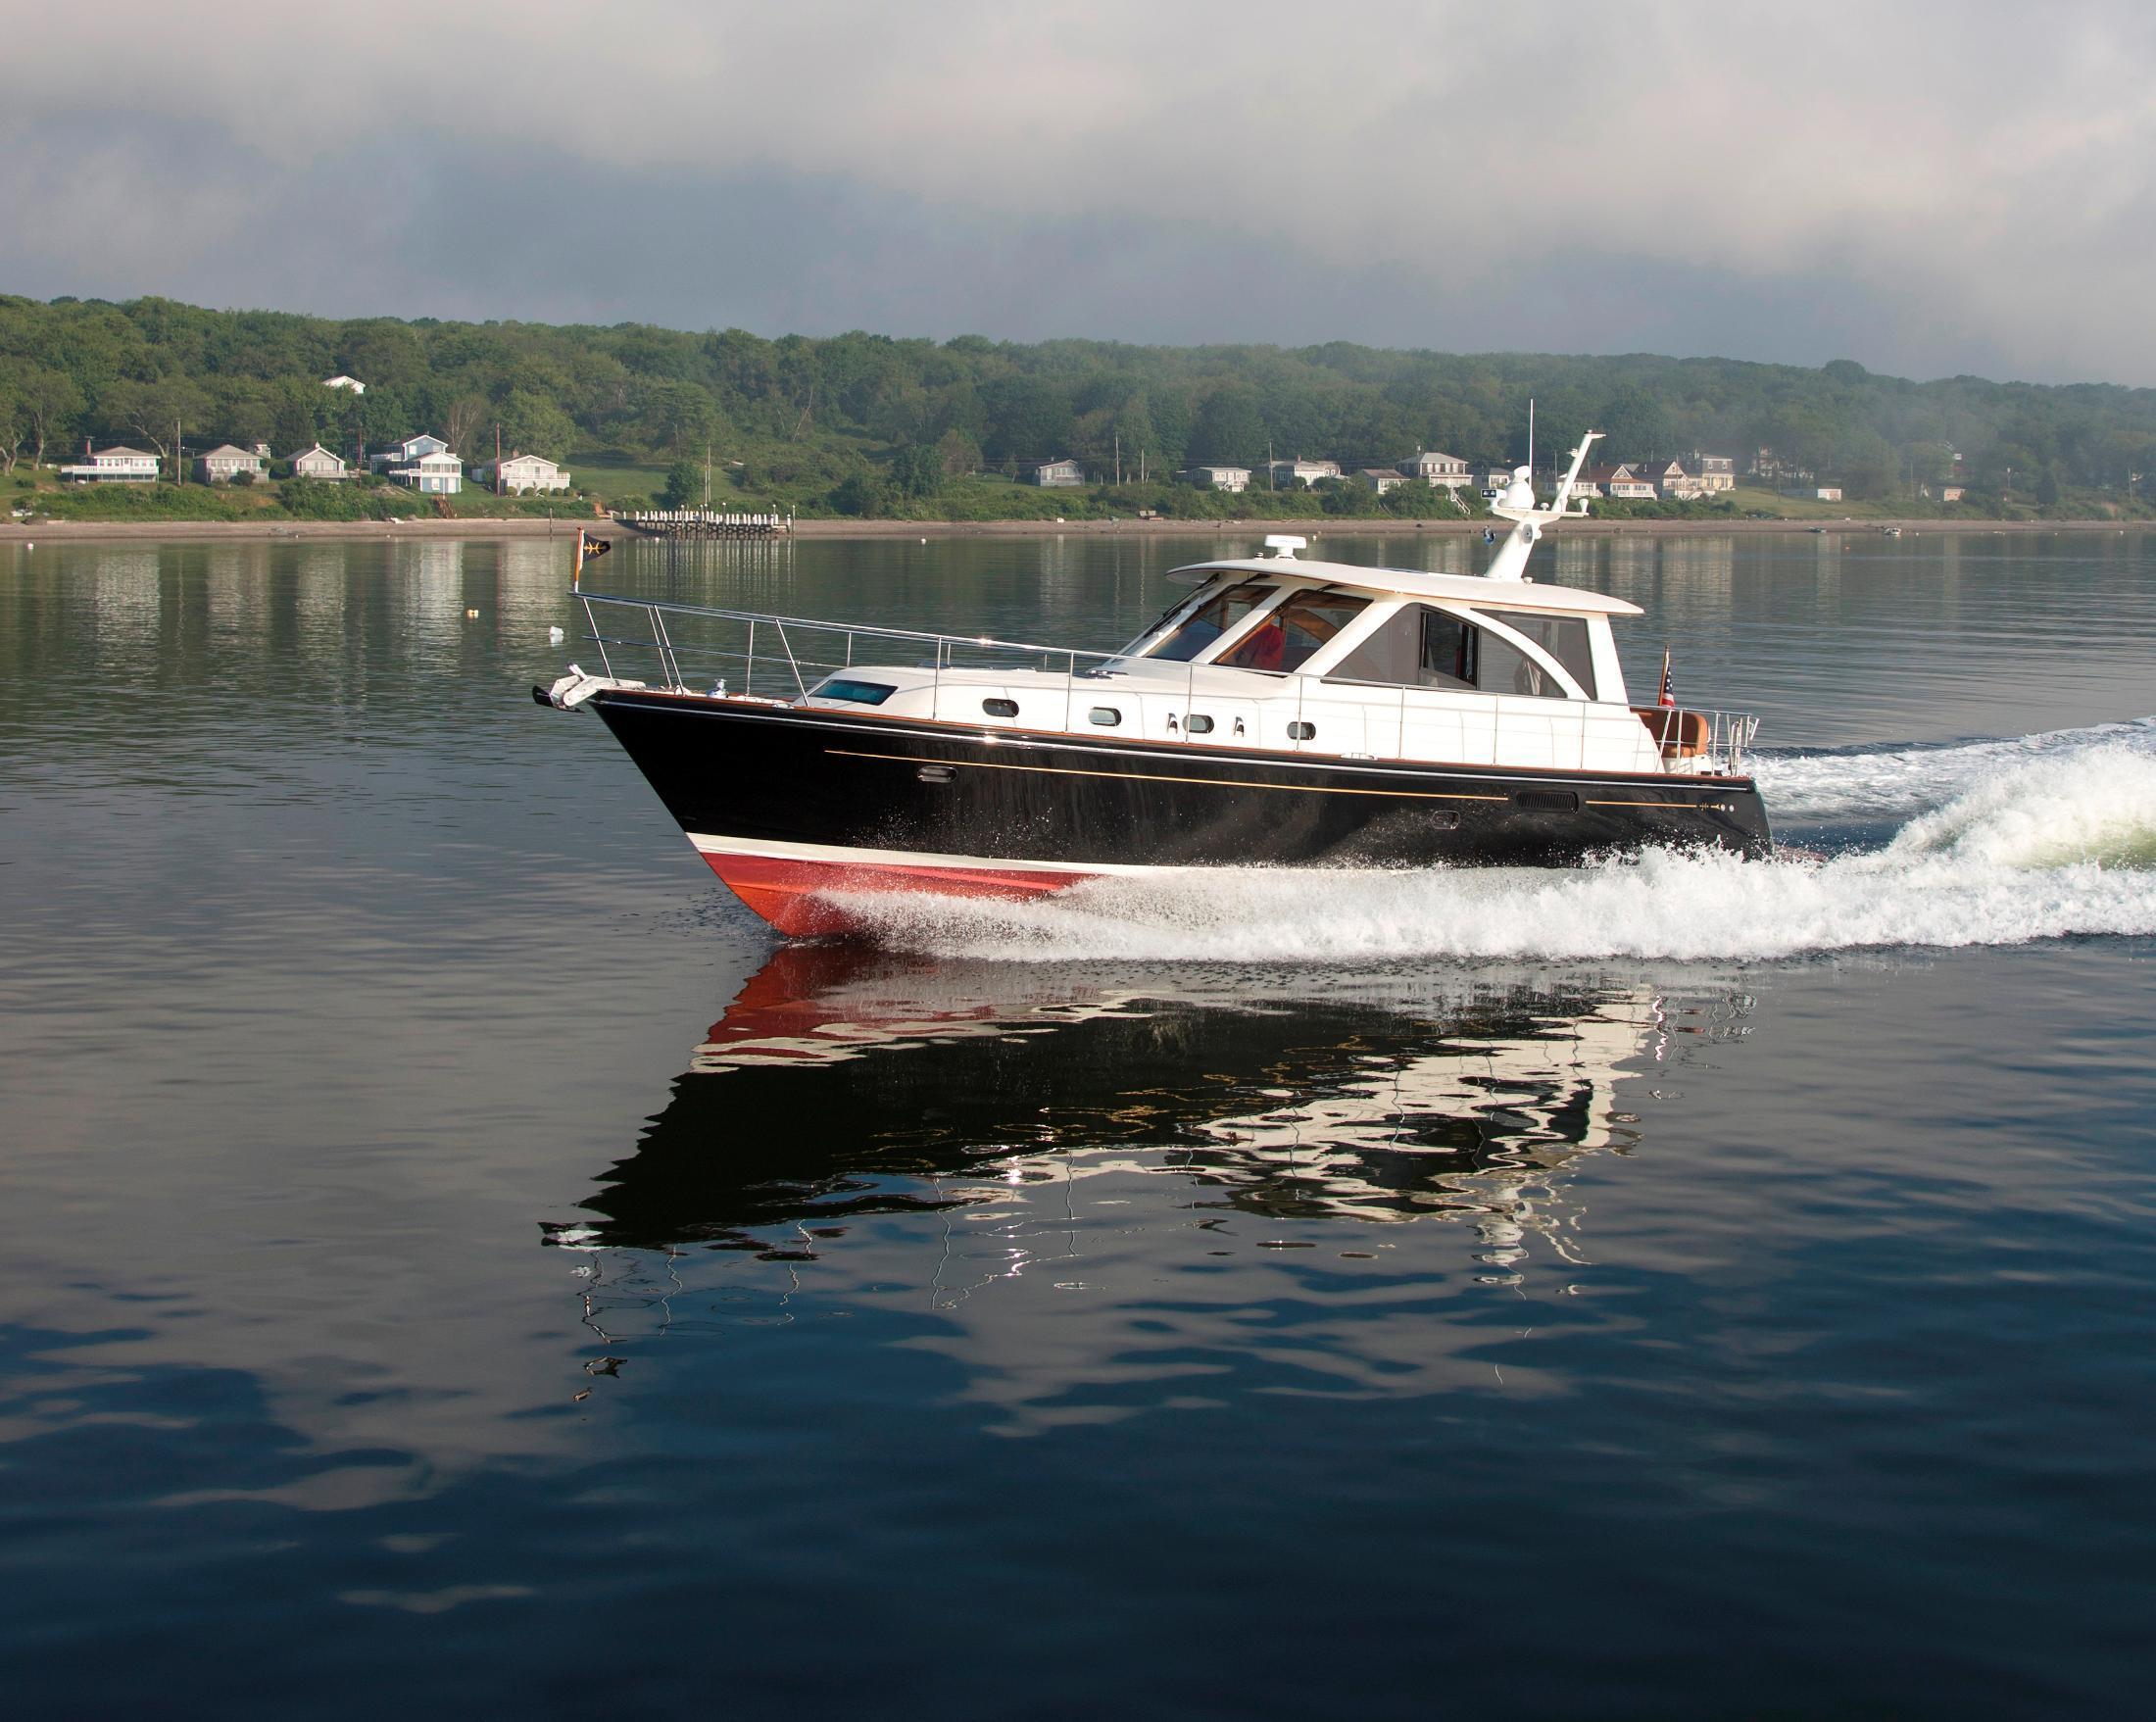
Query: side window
1420	647
1451	651
1212	618
1506	669
1303	626
1563	637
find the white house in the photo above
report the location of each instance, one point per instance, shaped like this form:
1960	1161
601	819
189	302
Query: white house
1951	492
226	462
1435	468
1218	477
522	473
438	473
1622	483
1303	473
117	464
319	462
1380	478
406	453
1668	477
341	381
1059	475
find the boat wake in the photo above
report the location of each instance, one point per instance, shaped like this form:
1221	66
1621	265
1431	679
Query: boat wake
2000	843
1874	782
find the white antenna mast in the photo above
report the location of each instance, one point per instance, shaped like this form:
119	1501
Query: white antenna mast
1517	505
1531	439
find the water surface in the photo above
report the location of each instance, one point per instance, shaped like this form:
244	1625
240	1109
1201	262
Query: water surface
455	1256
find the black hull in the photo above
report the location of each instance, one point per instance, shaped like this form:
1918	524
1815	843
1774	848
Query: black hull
770	774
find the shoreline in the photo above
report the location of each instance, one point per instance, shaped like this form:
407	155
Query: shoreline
243	531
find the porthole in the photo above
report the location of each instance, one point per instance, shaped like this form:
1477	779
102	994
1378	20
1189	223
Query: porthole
1549	801
1197	723
1301	732
1106	716
1000	708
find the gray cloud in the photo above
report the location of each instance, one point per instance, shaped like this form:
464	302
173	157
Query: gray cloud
1924	190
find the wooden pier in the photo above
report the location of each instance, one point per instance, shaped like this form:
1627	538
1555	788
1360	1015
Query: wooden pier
706	524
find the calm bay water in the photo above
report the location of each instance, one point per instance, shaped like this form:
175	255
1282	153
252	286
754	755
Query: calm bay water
453	1254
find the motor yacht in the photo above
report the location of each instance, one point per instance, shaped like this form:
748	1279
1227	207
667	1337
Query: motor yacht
1287	712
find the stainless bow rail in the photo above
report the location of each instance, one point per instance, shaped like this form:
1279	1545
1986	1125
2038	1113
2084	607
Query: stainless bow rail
793	653
788	644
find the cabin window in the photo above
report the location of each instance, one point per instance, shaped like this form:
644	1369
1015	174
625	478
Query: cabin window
1506	670
1419	647
1300	730
1291	635
1210	619
864	693
1563	637
1197	723
1000	708
1107	717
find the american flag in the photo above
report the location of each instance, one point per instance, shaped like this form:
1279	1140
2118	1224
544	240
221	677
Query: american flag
1669	687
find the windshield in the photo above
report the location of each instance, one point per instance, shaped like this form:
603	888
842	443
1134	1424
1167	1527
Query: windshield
1304	624
1210	619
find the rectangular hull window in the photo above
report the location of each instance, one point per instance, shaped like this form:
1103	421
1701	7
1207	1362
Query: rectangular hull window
864	693
1107	717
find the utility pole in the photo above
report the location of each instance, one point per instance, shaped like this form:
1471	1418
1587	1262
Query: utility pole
1141	465
1120	460
706	474
497	457
1269	463
179	457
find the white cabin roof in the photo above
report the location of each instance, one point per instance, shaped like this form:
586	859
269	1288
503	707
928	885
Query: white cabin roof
1414	584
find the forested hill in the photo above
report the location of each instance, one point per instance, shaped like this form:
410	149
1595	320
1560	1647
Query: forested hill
798	415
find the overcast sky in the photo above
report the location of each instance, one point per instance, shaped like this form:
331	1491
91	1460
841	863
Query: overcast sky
1927	190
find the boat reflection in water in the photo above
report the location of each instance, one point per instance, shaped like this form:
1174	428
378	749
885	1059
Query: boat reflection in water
845	1085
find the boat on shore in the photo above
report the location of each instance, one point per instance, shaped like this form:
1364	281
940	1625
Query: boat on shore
1287	712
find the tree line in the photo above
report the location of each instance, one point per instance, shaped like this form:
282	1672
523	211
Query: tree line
804	418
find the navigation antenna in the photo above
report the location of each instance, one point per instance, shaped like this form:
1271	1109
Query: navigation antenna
1517	505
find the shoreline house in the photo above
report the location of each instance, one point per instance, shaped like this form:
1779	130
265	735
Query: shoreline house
1435	468
1381	478
341	381
1303	473
319	462
1712	473
1952	492
117	464
226	462
422	462
522	473
1620	483
1668	477
1063	474
1214	477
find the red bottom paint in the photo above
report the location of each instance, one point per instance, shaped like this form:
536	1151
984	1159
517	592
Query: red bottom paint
789	892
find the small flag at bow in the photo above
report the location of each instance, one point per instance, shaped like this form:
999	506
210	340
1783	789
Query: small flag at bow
1669	687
